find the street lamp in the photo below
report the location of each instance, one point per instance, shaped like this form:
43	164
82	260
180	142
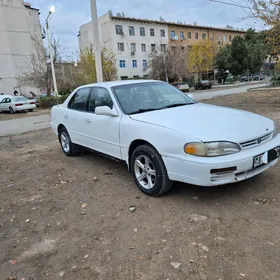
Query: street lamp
52	9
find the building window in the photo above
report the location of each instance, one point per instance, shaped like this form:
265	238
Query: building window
230	38
196	35
173	49
131	31
133	47
189	47
172	34
124	77
182	35
142	31
143	47
145	63
212	37
162	33
119	30
136	77
203	36
225	38
152	32
163	47
122	63
121	47
134	63
182	49
153	47
189	35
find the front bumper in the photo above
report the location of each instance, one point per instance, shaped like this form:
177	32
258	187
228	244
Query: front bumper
197	170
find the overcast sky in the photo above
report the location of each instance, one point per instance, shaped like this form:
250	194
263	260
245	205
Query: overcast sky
71	14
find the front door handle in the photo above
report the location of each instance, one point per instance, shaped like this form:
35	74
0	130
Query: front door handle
88	122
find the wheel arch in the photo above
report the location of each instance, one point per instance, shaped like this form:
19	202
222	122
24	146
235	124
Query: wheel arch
135	144
60	126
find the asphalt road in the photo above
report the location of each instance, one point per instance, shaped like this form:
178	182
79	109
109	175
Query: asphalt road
21	125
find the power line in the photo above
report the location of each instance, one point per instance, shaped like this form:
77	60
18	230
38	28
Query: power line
230	4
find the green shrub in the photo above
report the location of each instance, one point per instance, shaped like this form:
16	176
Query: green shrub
275	81
49	101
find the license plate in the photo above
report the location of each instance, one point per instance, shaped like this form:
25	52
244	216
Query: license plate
266	157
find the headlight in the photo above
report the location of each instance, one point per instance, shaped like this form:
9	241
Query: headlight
211	149
275	131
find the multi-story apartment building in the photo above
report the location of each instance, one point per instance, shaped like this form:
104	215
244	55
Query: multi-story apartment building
184	36
133	40
20	33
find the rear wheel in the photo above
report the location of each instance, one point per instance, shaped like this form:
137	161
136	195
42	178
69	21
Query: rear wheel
149	172
69	148
11	110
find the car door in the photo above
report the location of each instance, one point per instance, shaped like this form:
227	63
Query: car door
103	131
75	116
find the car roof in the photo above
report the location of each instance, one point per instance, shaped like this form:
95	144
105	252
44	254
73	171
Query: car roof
5	96
120	83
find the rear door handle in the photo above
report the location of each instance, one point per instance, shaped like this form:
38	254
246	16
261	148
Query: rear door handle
88	122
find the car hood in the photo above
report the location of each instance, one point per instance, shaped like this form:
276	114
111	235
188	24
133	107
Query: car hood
209	123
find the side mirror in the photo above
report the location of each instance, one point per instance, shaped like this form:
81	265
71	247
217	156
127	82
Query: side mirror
191	96
106	111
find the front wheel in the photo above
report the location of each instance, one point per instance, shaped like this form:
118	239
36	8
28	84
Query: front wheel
11	110
149	172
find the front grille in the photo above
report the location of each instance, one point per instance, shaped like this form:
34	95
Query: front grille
256	141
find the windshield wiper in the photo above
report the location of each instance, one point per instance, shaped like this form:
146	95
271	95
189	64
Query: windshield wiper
177	105
143	111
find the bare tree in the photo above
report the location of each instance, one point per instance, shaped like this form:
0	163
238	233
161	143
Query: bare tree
168	65
36	72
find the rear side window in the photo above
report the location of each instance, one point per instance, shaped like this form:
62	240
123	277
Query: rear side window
79	101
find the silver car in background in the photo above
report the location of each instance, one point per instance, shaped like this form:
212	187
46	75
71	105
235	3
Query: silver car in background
14	104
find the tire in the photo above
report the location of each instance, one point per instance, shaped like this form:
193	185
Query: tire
147	164
188	90
11	110
30	110
70	149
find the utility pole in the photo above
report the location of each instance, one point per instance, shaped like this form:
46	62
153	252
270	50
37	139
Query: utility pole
51	51
97	48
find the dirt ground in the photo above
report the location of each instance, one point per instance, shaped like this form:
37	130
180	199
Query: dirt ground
7	116
68	218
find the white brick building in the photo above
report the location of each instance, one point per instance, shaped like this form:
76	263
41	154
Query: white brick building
131	39
20	32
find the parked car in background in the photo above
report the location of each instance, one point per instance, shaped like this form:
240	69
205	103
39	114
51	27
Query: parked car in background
204	84
14	104
143	123
183	87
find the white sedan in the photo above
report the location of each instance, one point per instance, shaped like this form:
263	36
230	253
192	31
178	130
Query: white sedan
163	135
13	104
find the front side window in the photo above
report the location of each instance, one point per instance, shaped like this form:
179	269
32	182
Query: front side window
142	31
119	29
134	63
79	101
162	33
150	96
99	97
152	32
131	31
122	63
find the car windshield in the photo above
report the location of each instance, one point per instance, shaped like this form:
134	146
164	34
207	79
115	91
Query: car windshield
19	98
204	81
149	96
